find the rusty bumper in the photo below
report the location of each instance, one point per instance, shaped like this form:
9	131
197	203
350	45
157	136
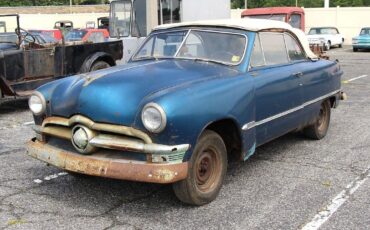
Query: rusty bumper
100	165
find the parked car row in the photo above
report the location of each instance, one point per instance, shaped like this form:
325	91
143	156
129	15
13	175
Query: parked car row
29	59
328	37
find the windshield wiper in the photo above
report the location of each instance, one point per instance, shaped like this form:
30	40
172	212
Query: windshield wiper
211	61
151	58
145	58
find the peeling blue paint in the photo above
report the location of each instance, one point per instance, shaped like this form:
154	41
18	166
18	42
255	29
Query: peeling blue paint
250	152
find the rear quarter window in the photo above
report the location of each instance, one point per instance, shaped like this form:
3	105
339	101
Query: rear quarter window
271	48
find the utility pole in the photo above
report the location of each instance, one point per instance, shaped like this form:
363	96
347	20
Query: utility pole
245	4
327	4
296	3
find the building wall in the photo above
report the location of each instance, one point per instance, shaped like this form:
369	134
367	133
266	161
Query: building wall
205	9
349	20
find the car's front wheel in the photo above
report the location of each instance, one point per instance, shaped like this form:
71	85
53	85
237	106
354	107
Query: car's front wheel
207	169
320	127
355	49
327	45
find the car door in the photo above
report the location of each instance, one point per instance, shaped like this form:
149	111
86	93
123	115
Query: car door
277	87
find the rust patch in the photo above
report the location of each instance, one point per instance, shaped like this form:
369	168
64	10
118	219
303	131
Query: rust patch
98	165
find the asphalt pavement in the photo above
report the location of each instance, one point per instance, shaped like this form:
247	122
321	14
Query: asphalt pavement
290	183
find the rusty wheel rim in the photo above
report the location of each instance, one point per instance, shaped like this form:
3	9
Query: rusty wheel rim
208	170
322	120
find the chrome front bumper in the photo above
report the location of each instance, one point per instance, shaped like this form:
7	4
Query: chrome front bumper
110	136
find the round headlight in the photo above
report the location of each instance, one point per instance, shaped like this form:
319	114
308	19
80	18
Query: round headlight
154	118
37	103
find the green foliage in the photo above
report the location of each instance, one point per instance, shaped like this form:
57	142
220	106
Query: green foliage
305	3
234	3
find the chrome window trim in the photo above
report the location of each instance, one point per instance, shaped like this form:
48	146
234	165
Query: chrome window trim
182	43
253	124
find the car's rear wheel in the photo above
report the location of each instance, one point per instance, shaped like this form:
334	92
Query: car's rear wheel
320	127
99	65
207	169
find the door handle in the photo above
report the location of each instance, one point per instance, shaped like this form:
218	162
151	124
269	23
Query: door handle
298	74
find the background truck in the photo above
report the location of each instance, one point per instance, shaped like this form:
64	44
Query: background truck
132	20
25	64
292	15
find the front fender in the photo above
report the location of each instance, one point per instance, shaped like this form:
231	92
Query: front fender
190	109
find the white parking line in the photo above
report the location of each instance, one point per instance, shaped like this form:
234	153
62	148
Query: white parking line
50	177
355	78
28	123
338	201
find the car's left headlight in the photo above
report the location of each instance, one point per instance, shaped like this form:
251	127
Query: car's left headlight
37	103
153	117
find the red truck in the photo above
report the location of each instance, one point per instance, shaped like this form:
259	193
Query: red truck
292	15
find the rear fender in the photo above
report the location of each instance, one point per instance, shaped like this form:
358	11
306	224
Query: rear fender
89	61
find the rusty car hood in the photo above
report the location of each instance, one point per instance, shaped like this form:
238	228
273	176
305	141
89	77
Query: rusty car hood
115	95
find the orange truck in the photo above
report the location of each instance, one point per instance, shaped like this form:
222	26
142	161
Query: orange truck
292	15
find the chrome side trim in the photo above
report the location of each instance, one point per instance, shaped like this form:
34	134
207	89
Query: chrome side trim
253	124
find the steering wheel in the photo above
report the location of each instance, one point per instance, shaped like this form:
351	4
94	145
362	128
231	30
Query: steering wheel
24	34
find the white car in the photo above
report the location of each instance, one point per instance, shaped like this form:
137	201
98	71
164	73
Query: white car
325	36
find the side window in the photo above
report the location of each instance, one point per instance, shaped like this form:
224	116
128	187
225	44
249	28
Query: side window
169	11
274	48
295	21
257	58
294	49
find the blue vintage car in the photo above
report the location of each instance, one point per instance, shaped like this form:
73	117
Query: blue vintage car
192	98
362	41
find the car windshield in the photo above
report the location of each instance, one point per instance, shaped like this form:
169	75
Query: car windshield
365	31
198	45
75	35
315	31
276	17
8	38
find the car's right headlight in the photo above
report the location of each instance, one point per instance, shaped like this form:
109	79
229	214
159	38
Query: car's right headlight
154	118
37	103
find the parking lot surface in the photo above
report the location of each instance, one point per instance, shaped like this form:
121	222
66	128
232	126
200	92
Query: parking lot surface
290	183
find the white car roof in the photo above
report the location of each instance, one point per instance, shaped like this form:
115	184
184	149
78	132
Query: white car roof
250	25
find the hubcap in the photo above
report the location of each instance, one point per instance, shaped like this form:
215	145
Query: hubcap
208	170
